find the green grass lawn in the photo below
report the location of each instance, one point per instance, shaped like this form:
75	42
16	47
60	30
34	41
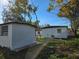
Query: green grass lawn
61	49
7	54
65	49
41	39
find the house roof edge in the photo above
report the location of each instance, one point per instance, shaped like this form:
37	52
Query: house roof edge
19	23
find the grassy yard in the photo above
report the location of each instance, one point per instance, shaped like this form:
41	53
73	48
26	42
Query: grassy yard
41	39
61	49
7	54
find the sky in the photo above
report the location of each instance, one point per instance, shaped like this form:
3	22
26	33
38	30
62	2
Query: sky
3	3
44	16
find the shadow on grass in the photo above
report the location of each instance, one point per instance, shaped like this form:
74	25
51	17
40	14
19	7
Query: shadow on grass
8	54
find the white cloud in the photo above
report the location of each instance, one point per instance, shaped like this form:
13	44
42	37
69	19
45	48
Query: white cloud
3	3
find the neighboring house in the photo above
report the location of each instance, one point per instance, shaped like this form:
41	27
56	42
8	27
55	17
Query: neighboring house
71	33
55	32
16	35
38	32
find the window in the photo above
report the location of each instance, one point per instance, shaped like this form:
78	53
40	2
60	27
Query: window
4	30
58	30
52	36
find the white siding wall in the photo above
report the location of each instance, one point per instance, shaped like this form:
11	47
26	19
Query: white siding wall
0	30
5	41
63	34
48	32
22	35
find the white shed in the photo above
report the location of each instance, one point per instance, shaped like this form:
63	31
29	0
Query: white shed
16	35
55	31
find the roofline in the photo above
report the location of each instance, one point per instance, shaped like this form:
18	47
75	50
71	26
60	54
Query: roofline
54	27
18	23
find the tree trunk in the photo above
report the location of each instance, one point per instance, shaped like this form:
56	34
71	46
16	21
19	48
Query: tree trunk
74	28
75	32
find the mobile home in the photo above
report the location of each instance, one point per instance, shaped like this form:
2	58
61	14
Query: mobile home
15	35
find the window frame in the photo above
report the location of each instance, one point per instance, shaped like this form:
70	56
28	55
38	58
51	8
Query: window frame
4	30
59	30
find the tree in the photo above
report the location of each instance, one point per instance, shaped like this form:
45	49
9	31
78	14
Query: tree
68	9
37	23
47	25
18	11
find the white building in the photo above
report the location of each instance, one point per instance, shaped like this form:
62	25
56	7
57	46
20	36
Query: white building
16	35
55	31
